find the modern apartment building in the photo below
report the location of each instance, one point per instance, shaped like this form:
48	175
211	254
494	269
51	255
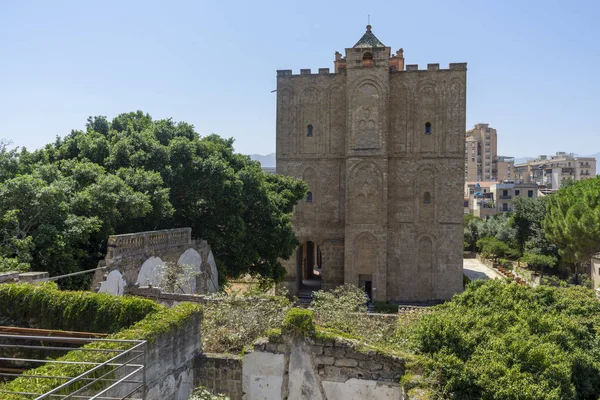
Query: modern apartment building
481	154
551	171
505	167
504	194
490	198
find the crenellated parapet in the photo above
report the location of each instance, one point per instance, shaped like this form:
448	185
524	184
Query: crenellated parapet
283	73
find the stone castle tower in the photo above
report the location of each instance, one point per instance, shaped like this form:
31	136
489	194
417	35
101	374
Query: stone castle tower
382	148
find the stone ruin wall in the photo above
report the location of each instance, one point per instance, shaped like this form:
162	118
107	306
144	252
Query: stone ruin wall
296	368
134	259
219	373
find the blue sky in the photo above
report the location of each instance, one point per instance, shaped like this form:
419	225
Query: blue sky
533	66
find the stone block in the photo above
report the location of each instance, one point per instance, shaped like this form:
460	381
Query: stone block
357	355
370	365
317	350
338	352
346	362
333	373
325	360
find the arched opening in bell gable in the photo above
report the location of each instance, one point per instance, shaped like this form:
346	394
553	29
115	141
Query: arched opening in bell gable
368	59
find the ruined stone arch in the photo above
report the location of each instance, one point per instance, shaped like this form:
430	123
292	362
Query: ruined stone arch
366	193
113	284
368	114
150	271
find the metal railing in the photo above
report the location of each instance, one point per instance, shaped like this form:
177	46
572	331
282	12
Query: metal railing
121	376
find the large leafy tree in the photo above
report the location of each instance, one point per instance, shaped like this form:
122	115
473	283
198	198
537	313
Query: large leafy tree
572	222
528	218
133	174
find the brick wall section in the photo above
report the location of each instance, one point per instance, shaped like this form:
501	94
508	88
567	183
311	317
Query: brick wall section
219	373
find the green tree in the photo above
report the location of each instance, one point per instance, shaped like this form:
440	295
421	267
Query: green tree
572	222
498	226
539	261
134	174
472	226
491	246
527	218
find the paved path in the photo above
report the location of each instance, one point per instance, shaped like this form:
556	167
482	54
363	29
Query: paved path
475	269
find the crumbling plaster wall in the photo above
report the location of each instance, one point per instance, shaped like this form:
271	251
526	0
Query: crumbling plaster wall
321	369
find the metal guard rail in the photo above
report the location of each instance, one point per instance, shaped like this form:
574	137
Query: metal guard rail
124	372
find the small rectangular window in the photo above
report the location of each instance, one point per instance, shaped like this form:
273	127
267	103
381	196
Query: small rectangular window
530	193
505	193
517	192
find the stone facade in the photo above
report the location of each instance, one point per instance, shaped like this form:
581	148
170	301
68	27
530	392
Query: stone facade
382	150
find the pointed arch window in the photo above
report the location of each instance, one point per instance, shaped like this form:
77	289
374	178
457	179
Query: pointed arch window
309	131
309	198
428	128
427	198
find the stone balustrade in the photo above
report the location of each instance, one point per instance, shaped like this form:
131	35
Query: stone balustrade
140	242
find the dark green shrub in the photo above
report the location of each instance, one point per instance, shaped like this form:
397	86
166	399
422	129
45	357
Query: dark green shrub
383	307
299	320
492	247
506	341
466	281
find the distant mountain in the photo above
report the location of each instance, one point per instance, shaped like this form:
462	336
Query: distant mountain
267	160
596	156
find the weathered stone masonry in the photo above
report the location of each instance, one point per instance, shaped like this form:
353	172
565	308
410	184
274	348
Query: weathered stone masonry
382	151
136	258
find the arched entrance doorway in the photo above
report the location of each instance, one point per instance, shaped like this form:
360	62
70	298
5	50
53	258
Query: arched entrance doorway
308	267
